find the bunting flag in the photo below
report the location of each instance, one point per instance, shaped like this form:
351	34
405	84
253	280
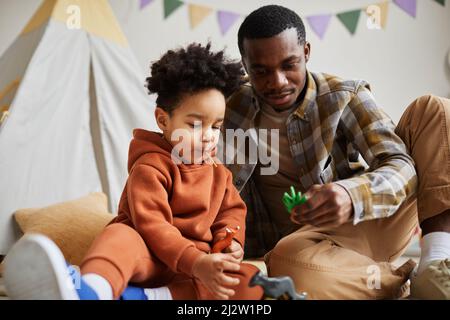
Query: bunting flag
144	3
378	14
170	6
226	20
319	24
197	14
409	6
350	19
441	2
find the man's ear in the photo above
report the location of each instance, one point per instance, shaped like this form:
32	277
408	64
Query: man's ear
162	118
307	51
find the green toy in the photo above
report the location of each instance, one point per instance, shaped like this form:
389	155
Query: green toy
293	199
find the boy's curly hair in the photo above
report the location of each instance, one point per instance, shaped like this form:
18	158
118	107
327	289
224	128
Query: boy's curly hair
191	70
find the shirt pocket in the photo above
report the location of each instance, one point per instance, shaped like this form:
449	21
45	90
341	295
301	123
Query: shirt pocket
326	176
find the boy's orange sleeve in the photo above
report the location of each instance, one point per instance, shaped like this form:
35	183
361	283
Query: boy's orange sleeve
151	214
232	213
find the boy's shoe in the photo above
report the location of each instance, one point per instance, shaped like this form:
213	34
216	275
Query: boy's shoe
133	293
433	283
35	269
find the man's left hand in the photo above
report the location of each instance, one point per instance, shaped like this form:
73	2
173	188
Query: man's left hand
328	205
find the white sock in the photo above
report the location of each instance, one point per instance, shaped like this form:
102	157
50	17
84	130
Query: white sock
162	293
100	285
435	246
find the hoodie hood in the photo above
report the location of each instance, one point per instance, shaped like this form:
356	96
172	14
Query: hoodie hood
147	142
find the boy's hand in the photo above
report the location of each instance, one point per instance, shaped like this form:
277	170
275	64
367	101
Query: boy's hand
209	269
236	250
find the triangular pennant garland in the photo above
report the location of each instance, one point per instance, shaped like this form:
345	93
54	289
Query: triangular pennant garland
377	15
197	14
144	3
409	6
319	24
170	6
226	20
350	19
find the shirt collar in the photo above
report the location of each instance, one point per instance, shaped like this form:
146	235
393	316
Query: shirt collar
310	97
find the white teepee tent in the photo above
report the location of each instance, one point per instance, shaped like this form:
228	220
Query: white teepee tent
71	93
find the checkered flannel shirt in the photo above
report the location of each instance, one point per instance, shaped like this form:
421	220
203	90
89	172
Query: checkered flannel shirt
337	134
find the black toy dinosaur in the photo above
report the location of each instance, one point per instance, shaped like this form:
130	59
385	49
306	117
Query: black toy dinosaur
280	288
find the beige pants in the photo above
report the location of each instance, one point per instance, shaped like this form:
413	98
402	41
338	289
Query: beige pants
354	262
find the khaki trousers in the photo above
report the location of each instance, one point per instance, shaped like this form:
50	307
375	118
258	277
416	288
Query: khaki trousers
354	261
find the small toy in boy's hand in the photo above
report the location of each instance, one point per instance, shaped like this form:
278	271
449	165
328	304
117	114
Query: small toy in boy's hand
225	242
293	199
211	160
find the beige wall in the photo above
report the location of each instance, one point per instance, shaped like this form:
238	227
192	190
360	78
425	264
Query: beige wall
404	61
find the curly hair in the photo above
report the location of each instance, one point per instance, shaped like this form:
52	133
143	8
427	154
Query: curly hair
268	21
191	70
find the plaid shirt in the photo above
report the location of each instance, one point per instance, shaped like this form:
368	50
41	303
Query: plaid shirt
337	134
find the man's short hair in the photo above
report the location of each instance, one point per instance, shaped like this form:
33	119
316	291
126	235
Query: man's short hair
268	21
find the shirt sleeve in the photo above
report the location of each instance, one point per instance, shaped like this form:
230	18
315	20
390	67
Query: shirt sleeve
152	217
391	176
232	213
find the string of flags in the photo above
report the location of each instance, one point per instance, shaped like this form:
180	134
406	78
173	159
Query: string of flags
377	15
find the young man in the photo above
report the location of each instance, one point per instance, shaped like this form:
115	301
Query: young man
366	180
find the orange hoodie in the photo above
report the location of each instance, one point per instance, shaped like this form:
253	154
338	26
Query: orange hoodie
179	210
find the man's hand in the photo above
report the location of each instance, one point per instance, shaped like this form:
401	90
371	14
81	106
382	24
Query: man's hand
328	205
235	249
209	269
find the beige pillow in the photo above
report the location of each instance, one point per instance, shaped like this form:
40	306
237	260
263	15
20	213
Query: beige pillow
72	225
